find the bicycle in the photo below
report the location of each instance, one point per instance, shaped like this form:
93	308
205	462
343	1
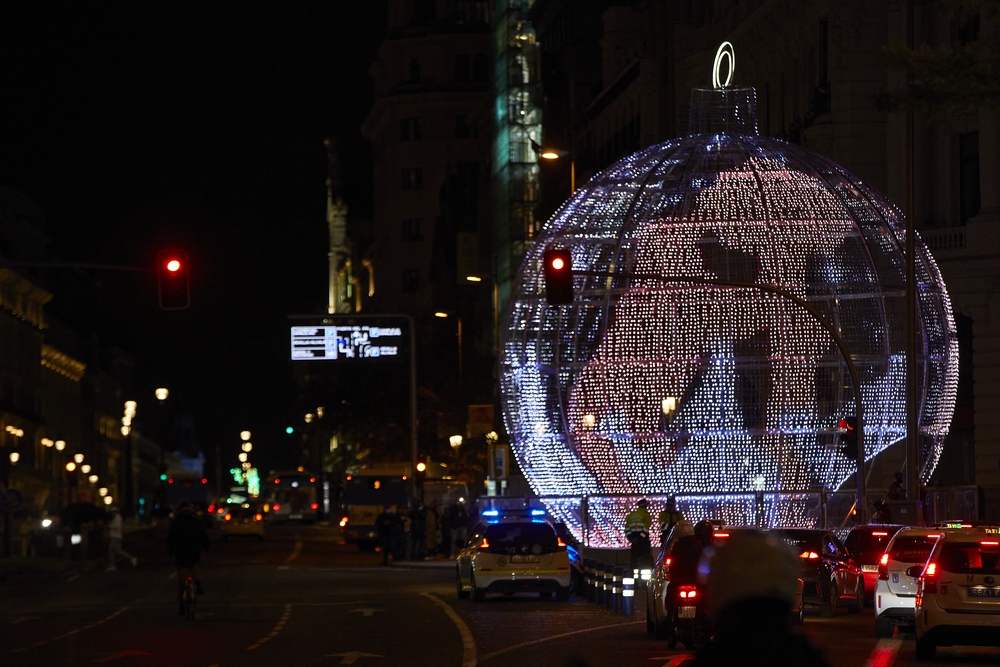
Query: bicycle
190	598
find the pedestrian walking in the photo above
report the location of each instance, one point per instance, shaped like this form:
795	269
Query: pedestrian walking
418	533
431	526
457	519
383	529
115	552
896	490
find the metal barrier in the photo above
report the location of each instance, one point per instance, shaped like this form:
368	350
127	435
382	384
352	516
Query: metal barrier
628	592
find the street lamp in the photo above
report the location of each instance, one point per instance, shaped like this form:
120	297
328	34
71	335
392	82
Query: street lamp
85	469
162	393
14	457
247	446
444	314
70	466
557	154
92	479
455	441
243	457
78	458
60	445
244	435
103	491
108	500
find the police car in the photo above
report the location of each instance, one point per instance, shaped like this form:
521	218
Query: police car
958	592
895	592
514	552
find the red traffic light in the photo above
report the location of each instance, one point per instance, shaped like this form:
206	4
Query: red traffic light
557	267
172	279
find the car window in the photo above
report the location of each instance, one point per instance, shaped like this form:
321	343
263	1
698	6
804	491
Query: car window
503	536
863	541
830	547
970	558
801	540
914	549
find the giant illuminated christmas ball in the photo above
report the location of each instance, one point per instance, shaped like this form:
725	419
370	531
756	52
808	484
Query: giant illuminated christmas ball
727	397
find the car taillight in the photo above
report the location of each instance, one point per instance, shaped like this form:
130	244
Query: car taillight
880	533
560	543
314	506
258	517
990	544
668	562
211	508
220	510
722	535
485	544
929	579
229	517
883	567
687	592
276	507
809	555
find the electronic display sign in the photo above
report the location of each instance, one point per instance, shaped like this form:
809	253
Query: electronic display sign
345	342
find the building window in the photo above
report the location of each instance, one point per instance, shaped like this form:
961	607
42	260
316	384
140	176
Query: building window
481	68
415	71
411	280
411	229
462	128
413	179
968	175
462	69
410	129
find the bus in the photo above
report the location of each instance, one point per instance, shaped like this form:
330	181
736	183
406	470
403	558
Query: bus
292	495
368	490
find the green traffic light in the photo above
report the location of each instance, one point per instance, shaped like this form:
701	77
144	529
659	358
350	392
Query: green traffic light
163	478
289	430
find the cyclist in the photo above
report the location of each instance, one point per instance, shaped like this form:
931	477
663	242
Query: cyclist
185	542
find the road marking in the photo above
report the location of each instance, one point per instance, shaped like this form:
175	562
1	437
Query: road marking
885	653
468	641
349	658
296	551
366	612
674	660
72	632
277	629
22	619
489	656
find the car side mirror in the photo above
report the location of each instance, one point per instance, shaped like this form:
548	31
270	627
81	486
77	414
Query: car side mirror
914	571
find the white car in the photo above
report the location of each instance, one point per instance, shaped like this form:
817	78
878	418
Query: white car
895	592
511	555
958	593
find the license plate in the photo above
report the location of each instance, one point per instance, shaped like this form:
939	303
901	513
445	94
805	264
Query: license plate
686	612
869	568
524	559
295	516
984	593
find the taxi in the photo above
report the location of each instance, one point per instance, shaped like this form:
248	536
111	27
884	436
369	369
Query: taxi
514	553
958	593
895	592
243	521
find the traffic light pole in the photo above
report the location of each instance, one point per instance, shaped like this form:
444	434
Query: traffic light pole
861	506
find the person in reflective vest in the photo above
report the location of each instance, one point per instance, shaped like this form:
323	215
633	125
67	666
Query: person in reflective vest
637	525
667	519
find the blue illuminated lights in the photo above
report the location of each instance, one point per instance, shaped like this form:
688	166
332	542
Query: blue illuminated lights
491	513
537	512
758	384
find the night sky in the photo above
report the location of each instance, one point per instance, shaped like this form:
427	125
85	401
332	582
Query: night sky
140	126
